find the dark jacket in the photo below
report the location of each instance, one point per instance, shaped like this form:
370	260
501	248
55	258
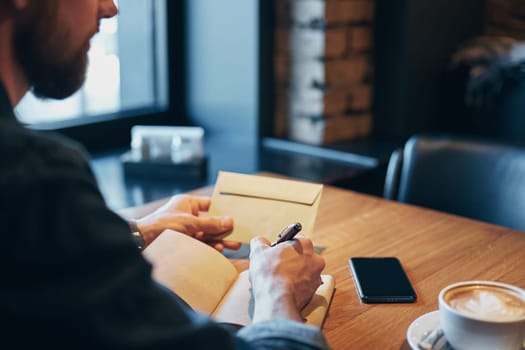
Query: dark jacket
71	274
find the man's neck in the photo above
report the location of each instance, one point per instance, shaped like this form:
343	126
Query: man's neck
11	74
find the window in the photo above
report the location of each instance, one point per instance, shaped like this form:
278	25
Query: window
127	74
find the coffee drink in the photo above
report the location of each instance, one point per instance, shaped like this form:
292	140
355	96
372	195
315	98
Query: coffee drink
482	315
486	302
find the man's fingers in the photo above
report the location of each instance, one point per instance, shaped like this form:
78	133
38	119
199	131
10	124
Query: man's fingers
320	262
218	246
212	226
232	245
203	203
306	243
221	245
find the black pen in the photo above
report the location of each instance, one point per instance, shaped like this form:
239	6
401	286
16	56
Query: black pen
288	233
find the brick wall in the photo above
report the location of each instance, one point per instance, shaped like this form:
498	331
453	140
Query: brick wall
323	69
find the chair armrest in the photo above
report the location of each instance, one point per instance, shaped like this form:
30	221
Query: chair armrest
393	173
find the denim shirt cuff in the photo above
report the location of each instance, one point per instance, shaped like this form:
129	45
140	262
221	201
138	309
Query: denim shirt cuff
285	330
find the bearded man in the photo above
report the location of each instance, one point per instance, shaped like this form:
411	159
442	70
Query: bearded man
72	275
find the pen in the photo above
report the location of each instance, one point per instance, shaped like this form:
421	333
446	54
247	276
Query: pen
288	233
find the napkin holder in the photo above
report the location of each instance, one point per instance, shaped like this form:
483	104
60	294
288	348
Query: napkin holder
166	153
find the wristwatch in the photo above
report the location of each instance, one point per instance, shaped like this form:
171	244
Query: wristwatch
136	234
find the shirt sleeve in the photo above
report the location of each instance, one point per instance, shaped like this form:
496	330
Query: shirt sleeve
78	280
285	334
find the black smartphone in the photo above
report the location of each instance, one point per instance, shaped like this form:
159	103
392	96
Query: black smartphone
381	280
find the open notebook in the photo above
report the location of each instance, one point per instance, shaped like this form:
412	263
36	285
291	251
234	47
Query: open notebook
210	283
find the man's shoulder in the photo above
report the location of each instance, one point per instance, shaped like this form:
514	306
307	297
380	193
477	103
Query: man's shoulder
38	151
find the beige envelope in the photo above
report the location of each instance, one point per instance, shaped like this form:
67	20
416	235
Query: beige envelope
264	206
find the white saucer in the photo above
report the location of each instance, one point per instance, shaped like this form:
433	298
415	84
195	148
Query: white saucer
421	325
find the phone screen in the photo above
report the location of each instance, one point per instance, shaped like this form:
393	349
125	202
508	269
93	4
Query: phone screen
381	280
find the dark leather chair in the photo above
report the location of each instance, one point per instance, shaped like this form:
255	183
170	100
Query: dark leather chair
476	178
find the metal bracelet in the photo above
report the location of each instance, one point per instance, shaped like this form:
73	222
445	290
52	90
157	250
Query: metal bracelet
136	234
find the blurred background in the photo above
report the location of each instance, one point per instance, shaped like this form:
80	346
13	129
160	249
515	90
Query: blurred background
321	90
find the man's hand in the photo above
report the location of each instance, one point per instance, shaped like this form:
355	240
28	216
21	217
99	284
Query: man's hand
182	213
283	277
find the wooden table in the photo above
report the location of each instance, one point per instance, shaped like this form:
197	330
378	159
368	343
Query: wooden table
436	249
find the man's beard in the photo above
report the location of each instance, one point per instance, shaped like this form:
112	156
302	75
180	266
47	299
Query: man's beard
39	46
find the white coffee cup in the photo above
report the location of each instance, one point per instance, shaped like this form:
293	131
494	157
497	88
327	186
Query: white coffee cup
483	315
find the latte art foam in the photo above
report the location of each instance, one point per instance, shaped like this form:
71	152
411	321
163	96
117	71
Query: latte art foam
487	303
